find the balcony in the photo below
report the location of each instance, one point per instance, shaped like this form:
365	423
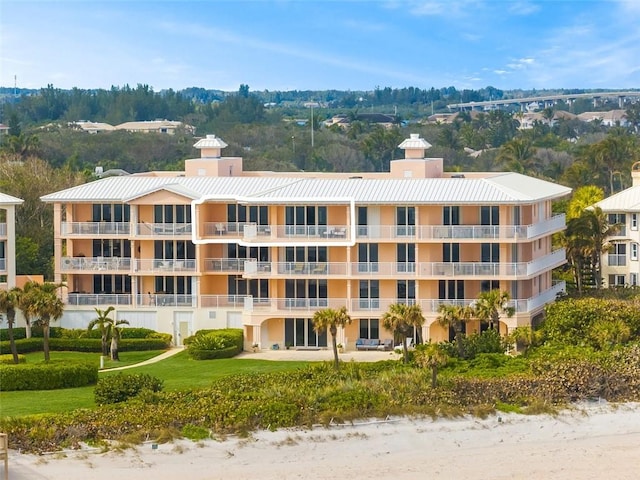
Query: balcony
93	229
162	266
161	299
91	264
97	299
163	229
462	232
226	301
226	265
251	232
521	306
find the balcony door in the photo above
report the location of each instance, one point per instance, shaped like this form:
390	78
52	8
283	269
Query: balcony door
299	332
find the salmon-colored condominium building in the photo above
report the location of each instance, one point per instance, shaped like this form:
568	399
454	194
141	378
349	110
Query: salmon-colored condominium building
216	246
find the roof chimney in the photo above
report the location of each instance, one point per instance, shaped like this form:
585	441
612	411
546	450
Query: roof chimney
210	147
414	146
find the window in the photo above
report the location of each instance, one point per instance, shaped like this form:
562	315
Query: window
451	215
111	248
369	294
406	292
177	285
110	212
171	250
363	229
450	252
301	293
619	219
633	279
489	215
367	257
406	257
634	251
299	332
305	254
111	284
405	221
258	288
451	289
618	255
370	328
172	214
490	252
634	221
616	280
488	285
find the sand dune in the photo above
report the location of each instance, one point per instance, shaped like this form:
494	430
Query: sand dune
592	441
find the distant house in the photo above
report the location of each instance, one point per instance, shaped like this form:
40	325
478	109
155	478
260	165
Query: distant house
4	130
382	119
91	127
609	119
8	206
528	120
156	126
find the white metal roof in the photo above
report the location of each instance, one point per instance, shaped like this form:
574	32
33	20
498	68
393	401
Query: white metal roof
625	201
9	200
211	141
504	188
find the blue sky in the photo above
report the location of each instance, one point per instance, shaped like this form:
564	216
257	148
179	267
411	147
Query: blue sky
309	45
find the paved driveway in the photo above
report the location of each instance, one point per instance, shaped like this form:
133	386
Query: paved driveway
320	355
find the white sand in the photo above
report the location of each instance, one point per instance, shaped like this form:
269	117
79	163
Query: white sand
588	442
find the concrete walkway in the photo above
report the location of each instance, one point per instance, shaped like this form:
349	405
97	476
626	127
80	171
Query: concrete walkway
320	355
169	353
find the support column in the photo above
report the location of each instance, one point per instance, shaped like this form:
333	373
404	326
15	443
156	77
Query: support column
10	259
57	241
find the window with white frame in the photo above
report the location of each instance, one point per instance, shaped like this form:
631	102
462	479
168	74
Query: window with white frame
633	279
620	220
634	251
618	255
634	221
616	280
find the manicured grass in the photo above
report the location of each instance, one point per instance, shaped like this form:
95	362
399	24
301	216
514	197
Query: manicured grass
126	358
178	372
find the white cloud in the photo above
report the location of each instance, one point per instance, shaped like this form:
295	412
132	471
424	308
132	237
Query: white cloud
523	8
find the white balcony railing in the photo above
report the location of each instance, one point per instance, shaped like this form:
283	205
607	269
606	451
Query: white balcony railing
95	228
164	266
227	265
75	264
163	229
166	300
95	299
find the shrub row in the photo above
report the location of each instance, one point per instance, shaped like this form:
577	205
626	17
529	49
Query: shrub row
7	359
28	345
212	344
60	332
48	376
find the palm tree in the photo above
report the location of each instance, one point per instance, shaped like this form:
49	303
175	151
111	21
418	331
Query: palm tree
115	331
455	316
432	356
24	301
519	155
41	301
402	319
9	300
102	322
490	305
330	319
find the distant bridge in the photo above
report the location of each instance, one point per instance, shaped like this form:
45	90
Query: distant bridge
547	100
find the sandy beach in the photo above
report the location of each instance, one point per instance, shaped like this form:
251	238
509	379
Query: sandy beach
591	441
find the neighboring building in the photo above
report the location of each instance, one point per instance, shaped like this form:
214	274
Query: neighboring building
156	126
4	129
382	119
8	240
611	118
91	127
620	266
217	246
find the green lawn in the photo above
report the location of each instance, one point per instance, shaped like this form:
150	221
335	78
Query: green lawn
126	358
178	372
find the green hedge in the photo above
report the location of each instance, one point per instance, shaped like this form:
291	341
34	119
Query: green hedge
121	387
212	344
48	376
59	332
7	359
28	345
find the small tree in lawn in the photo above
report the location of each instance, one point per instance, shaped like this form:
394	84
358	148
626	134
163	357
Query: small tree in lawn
115	332
431	355
102	322
402	319
41	301
330	319
9	300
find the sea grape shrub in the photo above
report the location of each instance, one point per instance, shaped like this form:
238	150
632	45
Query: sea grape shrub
121	387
